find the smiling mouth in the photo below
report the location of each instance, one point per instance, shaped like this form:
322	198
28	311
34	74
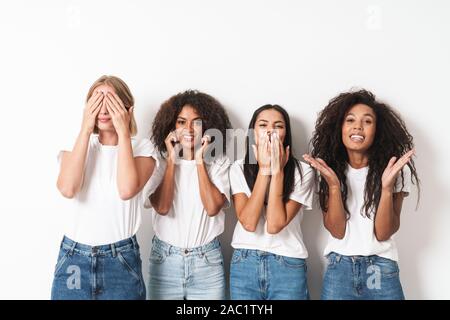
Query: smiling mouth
357	138
104	120
188	138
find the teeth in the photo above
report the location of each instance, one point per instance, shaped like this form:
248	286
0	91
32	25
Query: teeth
356	137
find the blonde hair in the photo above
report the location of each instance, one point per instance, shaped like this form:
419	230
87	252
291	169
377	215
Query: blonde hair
122	90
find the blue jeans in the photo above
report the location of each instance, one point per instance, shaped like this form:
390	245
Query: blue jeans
361	278
186	273
99	273
260	275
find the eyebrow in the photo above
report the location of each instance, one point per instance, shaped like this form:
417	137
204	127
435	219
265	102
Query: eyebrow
364	115
198	118
278	121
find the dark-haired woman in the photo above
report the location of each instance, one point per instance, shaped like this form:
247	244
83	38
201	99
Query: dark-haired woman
363	151
188	192
270	188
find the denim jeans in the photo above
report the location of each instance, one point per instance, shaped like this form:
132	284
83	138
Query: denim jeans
260	275
361	278
98	273
186	273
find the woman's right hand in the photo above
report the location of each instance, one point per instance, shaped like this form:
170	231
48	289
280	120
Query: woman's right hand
91	110
325	171
171	141
262	152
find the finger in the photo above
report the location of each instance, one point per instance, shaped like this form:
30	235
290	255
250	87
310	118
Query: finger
391	162
114	103
111	105
97	100
119	101
255	152
93	96
96	106
323	163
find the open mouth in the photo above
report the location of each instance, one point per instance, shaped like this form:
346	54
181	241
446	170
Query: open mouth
188	137
357	138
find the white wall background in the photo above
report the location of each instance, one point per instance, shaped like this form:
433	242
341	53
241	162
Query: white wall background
246	53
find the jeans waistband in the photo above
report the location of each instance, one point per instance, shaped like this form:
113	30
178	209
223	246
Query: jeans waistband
102	250
170	249
260	253
357	259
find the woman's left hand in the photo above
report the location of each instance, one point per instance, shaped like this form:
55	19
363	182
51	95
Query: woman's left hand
199	154
121	117
393	169
279	154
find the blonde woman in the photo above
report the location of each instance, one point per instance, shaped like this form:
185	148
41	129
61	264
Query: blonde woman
103	175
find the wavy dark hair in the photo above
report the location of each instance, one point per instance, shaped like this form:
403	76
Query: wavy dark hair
391	139
251	166
212	113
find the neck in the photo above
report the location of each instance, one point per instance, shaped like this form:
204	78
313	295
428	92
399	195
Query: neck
357	160
188	154
108	138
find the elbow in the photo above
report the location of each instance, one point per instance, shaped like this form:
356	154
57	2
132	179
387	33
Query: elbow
274	229
249	227
66	191
211	212
161	210
128	193
382	236
336	232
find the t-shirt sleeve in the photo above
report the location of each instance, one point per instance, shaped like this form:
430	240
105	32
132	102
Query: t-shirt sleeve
304	188
144	148
154	181
403	185
237	180
220	177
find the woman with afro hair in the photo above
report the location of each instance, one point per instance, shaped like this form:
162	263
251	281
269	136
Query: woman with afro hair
364	155
188	193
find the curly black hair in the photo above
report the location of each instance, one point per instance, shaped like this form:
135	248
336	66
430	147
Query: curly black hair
211	111
391	139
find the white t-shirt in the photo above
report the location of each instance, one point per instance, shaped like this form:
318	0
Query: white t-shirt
187	225
289	241
359	236
96	214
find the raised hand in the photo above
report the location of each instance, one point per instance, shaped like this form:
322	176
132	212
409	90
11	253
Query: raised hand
91	110
393	168
172	142
278	154
120	116
199	154
325	171
262	154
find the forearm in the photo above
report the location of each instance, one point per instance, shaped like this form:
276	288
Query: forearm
251	212
127	174
72	166
335	219
162	198
212	199
386	223
276	210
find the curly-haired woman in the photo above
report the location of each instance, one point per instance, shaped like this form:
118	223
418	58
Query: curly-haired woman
187	194
363	152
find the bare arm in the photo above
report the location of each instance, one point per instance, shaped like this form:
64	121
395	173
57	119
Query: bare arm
334	219
71	172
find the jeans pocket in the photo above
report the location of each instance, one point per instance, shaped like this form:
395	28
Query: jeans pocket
388	268
157	256
237	256
130	260
213	258
62	258
295	263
